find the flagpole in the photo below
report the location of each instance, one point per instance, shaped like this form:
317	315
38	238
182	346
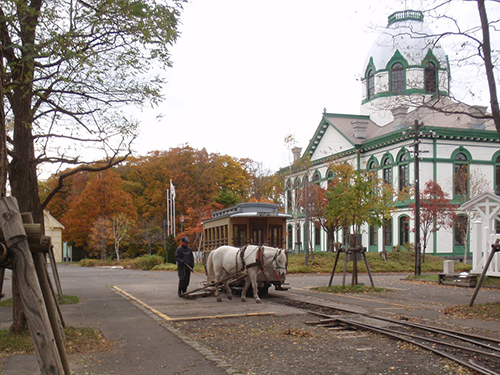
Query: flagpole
168	212
172	195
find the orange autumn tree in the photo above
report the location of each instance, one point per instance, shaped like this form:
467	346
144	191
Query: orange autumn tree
199	178
147	179
102	197
202	180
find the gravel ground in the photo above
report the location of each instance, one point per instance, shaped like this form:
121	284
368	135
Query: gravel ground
287	345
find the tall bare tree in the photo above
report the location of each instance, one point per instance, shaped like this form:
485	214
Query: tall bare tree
68	69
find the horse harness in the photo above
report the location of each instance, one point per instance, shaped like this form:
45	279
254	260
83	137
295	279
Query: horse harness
259	258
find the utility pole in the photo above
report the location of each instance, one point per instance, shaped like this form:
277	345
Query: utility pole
306	219
418	265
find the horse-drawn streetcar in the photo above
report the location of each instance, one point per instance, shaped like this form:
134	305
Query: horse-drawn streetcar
256	234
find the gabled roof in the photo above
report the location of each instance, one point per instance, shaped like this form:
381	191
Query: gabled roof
450	120
343	124
487	204
51	222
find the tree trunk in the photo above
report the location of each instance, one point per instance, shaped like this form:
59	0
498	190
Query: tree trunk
486	48
3	144
22	172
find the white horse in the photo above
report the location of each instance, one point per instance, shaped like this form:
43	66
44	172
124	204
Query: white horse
227	261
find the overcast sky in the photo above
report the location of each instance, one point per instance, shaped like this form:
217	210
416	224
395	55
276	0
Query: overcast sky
248	73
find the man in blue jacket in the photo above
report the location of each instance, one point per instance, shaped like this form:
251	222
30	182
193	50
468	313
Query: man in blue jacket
185	264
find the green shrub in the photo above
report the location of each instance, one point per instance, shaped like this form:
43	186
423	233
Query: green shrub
165	267
90	262
147	262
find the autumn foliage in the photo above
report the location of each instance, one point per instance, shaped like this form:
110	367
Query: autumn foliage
436	211
136	191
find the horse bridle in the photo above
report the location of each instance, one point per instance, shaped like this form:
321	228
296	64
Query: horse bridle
259	260
275	260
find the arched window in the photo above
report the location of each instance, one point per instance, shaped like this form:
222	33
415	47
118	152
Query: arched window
403	171
404	230
387	230
373	235
497	175
330	176
387	170
397	78
372	169
289	201
371	84
430	78
461	175
460	230
316	178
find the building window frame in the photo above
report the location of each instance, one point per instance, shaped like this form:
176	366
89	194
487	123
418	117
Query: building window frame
373	236
387	233
459	230
430	77
370	78
461	175
387	169
404	230
497	174
403	169
398	83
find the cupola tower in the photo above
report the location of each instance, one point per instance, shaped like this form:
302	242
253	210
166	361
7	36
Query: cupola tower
405	67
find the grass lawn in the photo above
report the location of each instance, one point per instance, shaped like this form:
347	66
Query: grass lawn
488	281
78	340
402	261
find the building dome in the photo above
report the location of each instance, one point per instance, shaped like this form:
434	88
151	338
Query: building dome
405	66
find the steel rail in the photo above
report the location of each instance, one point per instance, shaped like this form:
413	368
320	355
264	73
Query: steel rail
422	326
456	334
433	340
471	365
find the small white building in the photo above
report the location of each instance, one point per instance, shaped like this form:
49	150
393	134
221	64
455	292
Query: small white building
406	79
54	228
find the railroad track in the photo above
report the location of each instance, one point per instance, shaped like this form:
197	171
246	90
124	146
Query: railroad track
478	353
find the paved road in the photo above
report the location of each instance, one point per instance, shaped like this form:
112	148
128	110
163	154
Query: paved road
132	308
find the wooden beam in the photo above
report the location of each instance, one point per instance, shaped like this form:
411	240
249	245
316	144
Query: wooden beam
31	295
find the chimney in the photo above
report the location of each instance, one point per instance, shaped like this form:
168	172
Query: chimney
296	153
399	114
360	129
477	118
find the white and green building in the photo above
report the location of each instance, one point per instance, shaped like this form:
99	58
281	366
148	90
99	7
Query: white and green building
405	79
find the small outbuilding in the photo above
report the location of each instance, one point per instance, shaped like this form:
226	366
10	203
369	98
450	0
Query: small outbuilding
54	228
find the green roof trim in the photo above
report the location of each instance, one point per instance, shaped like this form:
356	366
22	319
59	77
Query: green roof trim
323	125
406	15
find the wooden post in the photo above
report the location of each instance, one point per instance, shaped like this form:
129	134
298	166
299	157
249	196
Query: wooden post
2	274
334	266
3	258
51	306
32	300
55	273
367	266
346	253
